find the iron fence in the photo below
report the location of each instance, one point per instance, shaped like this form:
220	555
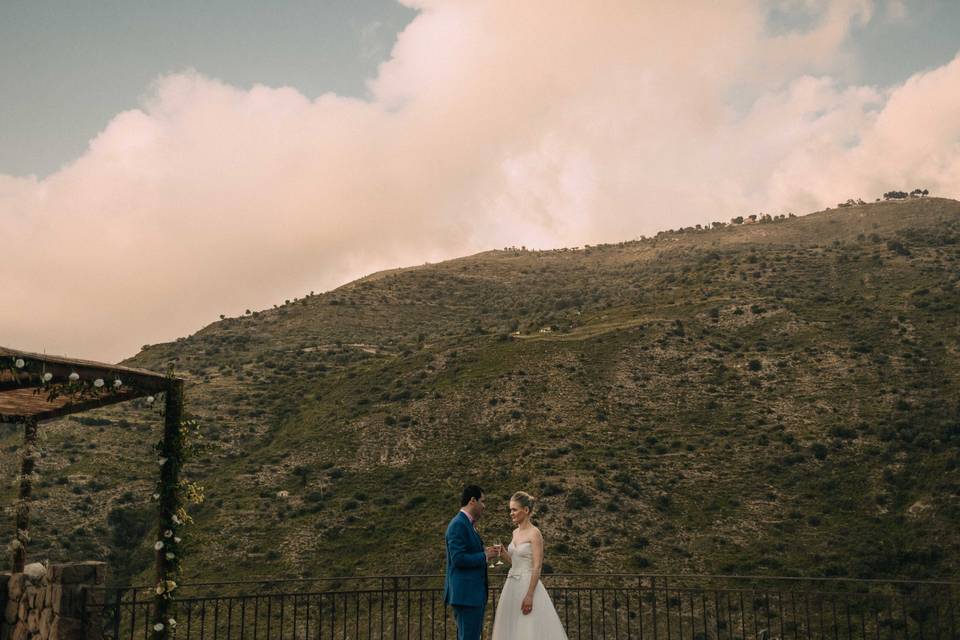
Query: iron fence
591	607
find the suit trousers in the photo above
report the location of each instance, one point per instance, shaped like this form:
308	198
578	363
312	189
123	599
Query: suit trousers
469	622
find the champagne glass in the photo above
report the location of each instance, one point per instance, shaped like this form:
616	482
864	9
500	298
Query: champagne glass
499	551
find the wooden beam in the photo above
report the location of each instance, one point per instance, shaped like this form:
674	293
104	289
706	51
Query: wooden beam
21	533
86	405
22	381
171	449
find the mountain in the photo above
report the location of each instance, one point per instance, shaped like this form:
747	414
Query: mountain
778	398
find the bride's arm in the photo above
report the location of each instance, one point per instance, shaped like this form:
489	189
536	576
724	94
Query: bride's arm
537	543
505	554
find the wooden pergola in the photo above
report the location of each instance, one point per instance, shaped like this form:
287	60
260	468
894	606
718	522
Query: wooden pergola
37	387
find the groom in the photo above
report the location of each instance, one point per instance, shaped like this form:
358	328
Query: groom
465	587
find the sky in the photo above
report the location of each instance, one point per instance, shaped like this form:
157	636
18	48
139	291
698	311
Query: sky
165	163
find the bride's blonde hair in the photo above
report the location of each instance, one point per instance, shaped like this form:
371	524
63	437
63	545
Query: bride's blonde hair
524	499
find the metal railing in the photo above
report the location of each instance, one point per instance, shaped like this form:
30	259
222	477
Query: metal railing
591	606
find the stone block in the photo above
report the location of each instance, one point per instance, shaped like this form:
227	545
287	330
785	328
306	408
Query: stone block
64	628
78	573
33	622
35	571
46	619
20	632
41	598
93	596
23	611
66	599
10	612
16	585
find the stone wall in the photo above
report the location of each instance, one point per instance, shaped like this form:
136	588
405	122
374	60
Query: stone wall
47	603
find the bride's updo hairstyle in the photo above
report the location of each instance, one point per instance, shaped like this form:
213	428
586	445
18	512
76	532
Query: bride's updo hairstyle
524	499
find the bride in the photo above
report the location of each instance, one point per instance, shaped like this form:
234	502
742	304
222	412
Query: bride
525	611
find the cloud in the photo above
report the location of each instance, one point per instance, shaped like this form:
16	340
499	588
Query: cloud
491	124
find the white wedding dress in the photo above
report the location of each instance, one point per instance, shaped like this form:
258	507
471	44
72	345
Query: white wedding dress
509	623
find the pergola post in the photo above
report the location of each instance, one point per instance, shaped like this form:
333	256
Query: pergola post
169	479
22	516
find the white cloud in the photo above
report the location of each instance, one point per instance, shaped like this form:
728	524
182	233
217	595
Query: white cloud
492	124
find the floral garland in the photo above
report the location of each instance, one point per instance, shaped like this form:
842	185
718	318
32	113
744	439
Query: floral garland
73	386
173	494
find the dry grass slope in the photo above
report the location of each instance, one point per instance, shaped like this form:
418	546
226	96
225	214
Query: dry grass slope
776	398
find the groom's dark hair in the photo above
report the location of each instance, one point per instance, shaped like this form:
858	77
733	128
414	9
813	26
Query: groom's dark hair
470	491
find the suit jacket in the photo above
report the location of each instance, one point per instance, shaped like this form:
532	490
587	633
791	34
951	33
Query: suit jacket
466	579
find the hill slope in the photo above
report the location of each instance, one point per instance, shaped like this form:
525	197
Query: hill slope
776	398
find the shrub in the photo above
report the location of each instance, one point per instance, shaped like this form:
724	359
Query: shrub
663	502
579	499
550	489
819	450
843	432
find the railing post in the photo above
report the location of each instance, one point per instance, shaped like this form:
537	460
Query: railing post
653	592
396	623
116	614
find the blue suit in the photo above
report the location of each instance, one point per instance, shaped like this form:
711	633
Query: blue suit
465	587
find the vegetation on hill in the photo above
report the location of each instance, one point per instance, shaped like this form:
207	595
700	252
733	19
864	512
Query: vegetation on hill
749	398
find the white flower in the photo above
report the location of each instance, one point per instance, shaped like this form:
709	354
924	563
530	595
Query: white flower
158	545
74	376
175	519
158	626
176	539
117	383
47	377
172	623
156	496
170	555
168	533
150	399
98	383
20	363
162	461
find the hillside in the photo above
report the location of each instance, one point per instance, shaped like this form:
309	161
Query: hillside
773	398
